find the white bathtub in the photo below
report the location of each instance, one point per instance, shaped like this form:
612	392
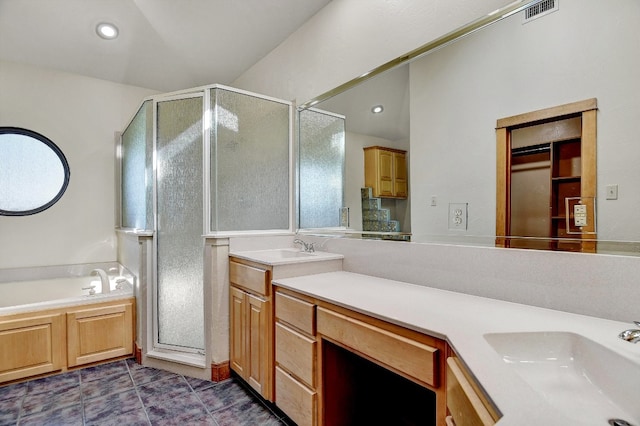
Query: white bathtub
33	295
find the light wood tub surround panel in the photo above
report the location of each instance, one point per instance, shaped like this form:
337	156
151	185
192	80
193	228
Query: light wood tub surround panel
96	334
55	340
31	346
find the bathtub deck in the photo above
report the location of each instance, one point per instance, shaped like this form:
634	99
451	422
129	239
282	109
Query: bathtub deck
125	393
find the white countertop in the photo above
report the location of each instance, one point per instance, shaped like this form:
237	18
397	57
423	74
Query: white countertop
463	320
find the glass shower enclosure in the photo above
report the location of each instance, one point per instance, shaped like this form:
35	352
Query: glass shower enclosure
321	169
211	161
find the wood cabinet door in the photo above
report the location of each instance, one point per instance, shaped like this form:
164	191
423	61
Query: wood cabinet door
257	354
465	405
31	346
400	175
237	317
385	172
97	334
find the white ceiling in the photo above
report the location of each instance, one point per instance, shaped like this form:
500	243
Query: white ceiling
391	90
163	44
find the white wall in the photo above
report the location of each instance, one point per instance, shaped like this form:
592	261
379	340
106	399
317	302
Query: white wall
586	49
603	286
81	116
350	37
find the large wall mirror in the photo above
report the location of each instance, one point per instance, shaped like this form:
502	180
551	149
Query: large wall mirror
442	108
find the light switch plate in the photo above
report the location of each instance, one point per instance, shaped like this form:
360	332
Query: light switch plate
612	192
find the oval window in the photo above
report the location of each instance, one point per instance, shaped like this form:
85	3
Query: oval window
34	173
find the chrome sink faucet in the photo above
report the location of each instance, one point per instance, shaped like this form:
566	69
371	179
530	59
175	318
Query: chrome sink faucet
631	335
307	247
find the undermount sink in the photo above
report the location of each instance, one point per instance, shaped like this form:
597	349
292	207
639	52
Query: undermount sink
286	256
288	253
589	383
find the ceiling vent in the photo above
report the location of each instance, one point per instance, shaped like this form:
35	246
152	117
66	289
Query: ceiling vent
540	9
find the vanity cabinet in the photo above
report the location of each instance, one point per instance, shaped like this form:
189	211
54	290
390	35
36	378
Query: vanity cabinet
296	359
385	171
466	403
251	335
332	363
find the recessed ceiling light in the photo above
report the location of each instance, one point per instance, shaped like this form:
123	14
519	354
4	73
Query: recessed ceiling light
107	31
377	109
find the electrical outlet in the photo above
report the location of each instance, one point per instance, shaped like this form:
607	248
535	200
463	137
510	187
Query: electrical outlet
458	216
580	215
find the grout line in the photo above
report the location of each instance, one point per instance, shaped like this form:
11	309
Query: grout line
135	387
19	418
257	397
201	402
84	417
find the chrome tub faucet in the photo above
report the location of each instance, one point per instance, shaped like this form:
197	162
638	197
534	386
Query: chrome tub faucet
631	335
104	279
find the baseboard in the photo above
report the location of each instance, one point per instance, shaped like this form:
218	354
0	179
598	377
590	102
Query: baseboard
137	352
220	371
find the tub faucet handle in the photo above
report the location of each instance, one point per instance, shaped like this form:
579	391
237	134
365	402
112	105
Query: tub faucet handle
631	335
91	288
120	282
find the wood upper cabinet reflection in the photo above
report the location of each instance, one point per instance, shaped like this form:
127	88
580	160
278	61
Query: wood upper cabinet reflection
385	171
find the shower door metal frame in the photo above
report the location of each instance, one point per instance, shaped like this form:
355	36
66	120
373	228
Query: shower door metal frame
164	350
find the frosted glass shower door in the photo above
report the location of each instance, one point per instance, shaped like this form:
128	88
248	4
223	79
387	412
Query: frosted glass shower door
179	224
250	159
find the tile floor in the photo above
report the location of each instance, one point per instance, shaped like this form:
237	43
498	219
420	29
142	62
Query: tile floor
124	393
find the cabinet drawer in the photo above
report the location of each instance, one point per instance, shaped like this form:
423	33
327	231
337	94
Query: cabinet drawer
296	353
400	353
465	405
296	312
253	279
295	399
